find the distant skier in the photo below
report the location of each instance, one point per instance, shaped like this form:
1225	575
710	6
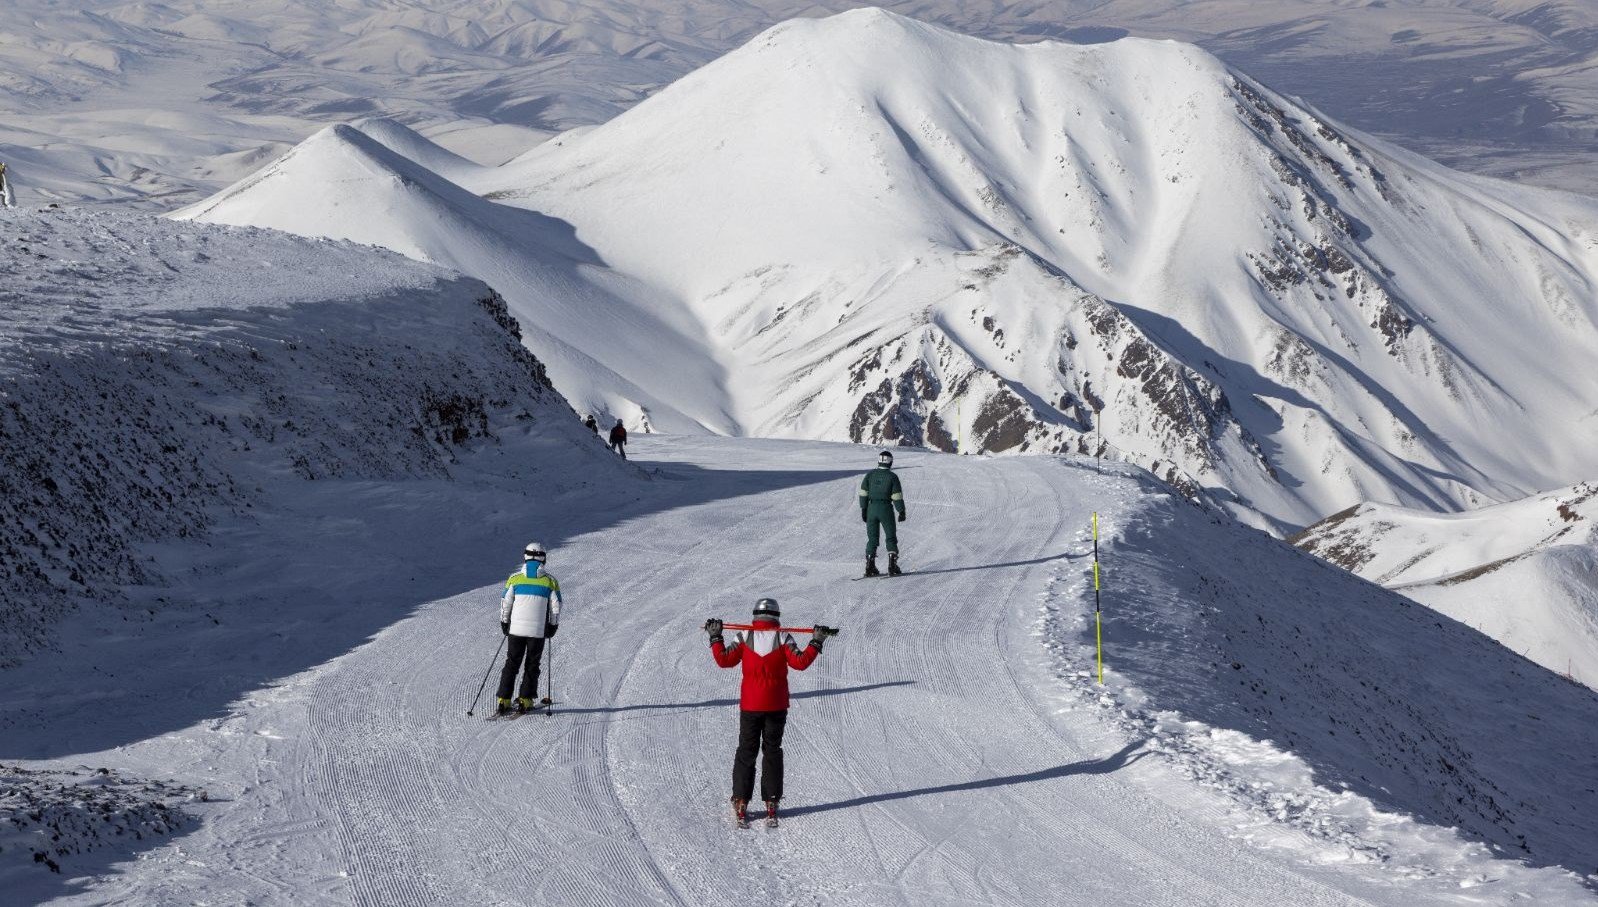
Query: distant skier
880	496
529	613
592	423
766	653
618	439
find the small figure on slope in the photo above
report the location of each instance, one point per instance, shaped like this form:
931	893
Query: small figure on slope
766	652
591	423
618	439
8	198
529	613
880	496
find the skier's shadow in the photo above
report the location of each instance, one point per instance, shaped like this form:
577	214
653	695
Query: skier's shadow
721	703
1115	762
1034	561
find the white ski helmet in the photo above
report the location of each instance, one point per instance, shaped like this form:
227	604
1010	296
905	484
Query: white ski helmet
535	552
885	458
767	607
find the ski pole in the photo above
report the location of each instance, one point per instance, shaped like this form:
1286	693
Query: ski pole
1098	620
778	629
480	687
549	669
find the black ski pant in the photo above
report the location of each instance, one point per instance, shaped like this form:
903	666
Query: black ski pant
619	447
519	647
759	731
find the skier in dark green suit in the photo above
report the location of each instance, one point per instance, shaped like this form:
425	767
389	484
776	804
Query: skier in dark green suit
880	497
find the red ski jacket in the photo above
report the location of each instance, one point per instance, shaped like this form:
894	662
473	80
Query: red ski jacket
766	660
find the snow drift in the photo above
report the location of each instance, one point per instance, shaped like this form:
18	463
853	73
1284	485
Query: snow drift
159	379
1524	573
1257	667
866	228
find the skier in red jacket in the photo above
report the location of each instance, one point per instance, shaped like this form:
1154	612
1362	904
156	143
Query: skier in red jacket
766	654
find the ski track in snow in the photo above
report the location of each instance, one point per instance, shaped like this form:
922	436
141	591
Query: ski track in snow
922	768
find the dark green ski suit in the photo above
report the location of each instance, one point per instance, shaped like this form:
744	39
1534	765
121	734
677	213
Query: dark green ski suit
880	496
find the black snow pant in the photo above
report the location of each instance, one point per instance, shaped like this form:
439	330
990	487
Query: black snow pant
530	647
620	447
759	731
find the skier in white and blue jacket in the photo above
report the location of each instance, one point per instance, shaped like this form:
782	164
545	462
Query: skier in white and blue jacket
529	613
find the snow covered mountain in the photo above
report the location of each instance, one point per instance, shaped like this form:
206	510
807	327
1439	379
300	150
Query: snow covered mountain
372	182
163	382
1524	573
873	229
162	103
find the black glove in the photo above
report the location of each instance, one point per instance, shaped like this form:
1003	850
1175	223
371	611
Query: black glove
549	630
863	517
821	632
504	627
901	516
713	627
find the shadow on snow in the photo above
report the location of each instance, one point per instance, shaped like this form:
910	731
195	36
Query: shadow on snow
1127	755
724	703
340	563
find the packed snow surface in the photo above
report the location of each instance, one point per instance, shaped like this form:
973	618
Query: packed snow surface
1272	730
162	103
1525	573
868	228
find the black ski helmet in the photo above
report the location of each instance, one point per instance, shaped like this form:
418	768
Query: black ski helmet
767	607
885	458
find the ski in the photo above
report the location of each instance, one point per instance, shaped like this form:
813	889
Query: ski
771	821
880	576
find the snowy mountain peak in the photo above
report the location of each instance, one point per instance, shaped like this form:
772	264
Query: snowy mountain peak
870	228
410	144
357	182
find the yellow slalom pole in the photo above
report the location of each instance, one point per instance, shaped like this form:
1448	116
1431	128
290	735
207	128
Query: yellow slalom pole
1098	622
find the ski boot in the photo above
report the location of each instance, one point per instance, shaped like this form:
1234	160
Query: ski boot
523	705
771	813
871	566
893	564
502	708
740	812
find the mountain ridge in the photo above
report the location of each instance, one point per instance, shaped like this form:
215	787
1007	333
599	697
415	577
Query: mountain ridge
1122	248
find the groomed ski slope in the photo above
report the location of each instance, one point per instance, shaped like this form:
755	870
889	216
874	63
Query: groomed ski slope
946	749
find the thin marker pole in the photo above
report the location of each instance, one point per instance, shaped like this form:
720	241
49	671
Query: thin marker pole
1098	622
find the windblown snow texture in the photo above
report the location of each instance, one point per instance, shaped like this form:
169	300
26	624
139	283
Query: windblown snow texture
158	380
1123	248
49	817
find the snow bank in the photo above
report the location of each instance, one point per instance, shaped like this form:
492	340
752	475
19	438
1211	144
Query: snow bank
159	379
47	816
1259	670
